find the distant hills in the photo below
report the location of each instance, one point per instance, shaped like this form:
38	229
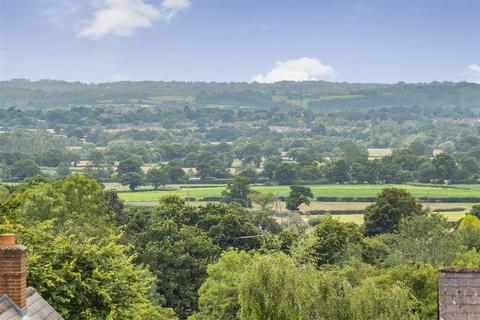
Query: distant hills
316	95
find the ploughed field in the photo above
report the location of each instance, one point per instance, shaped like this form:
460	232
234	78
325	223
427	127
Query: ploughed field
347	201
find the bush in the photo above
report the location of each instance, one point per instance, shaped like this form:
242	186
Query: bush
315	221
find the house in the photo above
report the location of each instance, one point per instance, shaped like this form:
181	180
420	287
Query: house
17	301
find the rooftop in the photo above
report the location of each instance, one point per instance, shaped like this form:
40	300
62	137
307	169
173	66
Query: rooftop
37	308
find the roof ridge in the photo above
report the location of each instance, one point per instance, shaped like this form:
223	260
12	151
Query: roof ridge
13	305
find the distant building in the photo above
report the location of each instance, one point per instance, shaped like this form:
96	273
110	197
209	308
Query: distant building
17	301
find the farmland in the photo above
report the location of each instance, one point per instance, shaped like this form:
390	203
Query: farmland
339	191
455	210
358	217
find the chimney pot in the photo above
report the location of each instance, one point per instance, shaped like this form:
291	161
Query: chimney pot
7	239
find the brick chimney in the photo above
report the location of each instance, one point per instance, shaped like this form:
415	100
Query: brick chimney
13	270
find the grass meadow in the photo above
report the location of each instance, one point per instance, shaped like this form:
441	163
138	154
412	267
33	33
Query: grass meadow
342	191
150	198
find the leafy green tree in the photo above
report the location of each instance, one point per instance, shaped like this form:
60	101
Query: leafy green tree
419	148
263	199
4	193
72	157
352	152
238	191
371	301
337	172
268	290
52	157
157	177
327	243
281	242
270	166
74	274
24	169
174	172
97	158
445	166
298	195
475	211
433	242
374	250
132	164
319	128
286	173
115	205
218	295
76	202
405	158
178	256
426	172
422	282
391	206
365	172
467	259
63	170
468	169
214	168
227	224
132	179
249	173
469	231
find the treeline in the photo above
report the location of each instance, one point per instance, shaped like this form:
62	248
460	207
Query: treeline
259	163
325	95
24	142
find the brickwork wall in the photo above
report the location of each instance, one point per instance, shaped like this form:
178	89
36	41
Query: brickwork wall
13	273
459	294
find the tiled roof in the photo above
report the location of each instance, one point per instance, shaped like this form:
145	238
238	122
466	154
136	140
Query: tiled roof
37	309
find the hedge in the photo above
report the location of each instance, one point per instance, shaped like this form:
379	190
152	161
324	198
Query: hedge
449	199
346	199
320	212
449	209
214	199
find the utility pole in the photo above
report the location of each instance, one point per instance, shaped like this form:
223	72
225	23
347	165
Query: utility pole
278	206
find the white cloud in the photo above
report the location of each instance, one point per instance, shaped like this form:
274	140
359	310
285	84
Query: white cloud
120	77
172	7
176	4
297	70
124	17
473	73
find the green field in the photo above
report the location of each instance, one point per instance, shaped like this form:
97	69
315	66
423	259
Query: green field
343	191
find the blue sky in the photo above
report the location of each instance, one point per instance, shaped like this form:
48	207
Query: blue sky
241	40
